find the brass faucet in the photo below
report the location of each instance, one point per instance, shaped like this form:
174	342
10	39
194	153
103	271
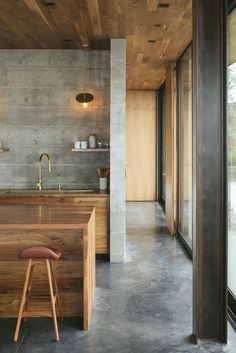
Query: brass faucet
40	181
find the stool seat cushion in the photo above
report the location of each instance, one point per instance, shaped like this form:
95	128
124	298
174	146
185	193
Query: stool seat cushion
40	252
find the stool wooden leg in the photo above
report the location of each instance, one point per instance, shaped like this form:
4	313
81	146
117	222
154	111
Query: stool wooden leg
29	287
23	299
52	299
57	291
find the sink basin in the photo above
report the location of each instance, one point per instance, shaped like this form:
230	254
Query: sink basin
51	191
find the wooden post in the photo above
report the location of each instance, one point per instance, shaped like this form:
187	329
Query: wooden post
209	170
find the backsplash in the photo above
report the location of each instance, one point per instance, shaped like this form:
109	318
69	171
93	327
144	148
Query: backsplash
39	113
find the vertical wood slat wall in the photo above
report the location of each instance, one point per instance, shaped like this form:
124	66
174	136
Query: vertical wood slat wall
141	146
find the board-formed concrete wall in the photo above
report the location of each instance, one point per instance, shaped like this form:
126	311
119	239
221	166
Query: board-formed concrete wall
39	113
117	132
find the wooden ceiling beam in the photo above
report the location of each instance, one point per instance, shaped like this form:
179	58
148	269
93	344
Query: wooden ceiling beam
15	28
82	31
152	5
33	6
94	12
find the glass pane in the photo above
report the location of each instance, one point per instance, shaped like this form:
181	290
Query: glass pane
185	146
232	153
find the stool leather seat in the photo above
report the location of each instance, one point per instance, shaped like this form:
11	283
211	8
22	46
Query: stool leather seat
40	252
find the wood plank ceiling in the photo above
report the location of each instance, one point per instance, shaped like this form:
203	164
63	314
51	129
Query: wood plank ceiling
157	31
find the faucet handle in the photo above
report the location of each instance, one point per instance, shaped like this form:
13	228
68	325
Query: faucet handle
39	184
59	181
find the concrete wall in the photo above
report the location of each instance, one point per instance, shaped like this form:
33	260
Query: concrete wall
117	134
39	113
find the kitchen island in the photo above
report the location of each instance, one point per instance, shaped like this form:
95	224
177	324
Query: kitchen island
98	199
66	228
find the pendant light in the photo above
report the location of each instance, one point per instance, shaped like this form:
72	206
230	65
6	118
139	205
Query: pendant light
84	98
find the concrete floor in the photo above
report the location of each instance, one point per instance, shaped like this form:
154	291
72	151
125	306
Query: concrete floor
141	306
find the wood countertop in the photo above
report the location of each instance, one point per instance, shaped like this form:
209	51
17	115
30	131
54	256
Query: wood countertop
53	193
44	217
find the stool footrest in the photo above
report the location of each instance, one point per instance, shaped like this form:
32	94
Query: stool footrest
45	297
37	313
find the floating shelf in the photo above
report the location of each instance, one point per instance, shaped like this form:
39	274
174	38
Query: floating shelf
4	150
90	149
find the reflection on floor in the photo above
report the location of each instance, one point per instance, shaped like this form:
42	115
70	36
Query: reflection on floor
185	222
142	306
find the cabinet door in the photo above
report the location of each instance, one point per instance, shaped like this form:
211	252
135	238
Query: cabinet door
102	221
141	146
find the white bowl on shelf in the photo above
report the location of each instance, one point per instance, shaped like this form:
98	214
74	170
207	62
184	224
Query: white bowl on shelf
77	144
84	145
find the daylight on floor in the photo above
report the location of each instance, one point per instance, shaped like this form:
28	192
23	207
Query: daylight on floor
117	176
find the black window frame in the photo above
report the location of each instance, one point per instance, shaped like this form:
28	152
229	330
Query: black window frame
186	246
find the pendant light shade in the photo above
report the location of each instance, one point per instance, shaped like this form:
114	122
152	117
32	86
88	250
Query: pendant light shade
84	98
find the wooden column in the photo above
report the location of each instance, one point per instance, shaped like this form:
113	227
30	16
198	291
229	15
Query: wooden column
209	170
170	148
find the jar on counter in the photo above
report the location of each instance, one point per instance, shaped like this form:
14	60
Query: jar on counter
92	141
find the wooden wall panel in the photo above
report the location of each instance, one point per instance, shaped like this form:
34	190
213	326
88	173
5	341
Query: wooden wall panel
141	142
170	204
232	41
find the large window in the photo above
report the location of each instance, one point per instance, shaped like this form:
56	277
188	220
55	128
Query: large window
185	146
231	138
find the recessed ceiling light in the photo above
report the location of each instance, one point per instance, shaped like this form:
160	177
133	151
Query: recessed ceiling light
49	3
152	41
164	5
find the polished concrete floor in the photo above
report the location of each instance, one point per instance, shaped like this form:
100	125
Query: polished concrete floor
141	306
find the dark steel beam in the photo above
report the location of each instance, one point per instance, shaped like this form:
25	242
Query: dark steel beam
209	170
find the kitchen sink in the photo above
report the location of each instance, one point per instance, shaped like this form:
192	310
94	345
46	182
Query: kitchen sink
50	191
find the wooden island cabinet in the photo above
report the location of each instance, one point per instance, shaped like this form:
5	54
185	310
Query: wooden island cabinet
66	228
100	200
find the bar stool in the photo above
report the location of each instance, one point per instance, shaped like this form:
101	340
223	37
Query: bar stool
39	255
